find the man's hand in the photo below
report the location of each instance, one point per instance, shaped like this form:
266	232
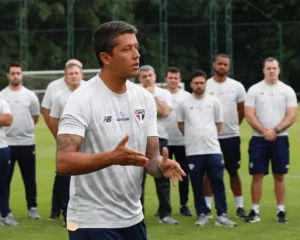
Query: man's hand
171	169
123	155
270	134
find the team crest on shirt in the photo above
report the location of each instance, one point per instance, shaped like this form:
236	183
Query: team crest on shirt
140	114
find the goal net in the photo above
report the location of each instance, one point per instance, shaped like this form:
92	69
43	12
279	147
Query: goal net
38	81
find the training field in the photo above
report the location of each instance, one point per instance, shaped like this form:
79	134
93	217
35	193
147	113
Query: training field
267	229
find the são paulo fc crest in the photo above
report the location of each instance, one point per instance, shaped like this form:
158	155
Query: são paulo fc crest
140	114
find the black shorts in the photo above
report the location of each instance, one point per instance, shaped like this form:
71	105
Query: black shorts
136	232
231	152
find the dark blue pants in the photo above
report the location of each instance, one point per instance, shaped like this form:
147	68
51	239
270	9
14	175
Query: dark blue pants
4	180
60	194
212	165
136	232
179	153
25	156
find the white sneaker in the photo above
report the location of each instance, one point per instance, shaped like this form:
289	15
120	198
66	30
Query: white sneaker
33	214
224	221
202	220
168	220
9	221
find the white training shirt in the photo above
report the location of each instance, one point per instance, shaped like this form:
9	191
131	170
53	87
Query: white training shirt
200	131
230	93
52	89
23	104
60	101
108	198
165	96
175	136
4	109
271	102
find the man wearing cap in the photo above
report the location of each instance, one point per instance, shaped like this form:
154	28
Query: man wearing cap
52	90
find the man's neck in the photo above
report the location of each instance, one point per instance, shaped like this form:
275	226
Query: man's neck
14	88
174	90
73	87
219	78
114	83
271	82
199	96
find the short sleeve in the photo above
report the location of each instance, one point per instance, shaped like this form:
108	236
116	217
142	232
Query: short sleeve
5	107
218	111
75	118
250	98
152	111
56	110
47	99
291	98
241	93
34	105
180	112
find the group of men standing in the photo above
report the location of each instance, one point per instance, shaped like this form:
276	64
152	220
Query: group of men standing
202	133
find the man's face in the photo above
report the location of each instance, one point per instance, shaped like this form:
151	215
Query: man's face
15	76
221	66
271	71
124	60
173	80
147	78
198	85
73	75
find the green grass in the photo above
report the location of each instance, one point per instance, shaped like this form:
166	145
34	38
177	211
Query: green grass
267	229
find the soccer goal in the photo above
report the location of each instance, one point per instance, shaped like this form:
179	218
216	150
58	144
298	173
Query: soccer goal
38	81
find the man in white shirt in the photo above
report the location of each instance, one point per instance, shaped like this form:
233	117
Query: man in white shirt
163	100
52	91
200	119
175	138
25	108
107	136
270	109
231	94
5	121
73	76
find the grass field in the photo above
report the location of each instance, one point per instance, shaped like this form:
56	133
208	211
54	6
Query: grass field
267	229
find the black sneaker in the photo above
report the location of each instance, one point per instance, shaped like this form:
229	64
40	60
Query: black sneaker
241	213
253	217
281	217
185	211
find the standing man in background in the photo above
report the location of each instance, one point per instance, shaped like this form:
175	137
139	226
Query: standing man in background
51	92
270	109
25	109
232	95
73	76
200	118
5	121
176	140
163	100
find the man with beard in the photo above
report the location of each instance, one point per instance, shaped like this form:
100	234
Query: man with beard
25	109
200	119
231	94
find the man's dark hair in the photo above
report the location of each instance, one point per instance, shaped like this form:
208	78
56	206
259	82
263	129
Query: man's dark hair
197	73
14	64
173	70
270	59
222	55
104	38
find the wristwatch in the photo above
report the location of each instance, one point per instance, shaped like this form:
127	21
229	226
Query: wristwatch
276	130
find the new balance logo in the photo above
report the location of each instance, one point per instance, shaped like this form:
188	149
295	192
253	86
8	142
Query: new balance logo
106	119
